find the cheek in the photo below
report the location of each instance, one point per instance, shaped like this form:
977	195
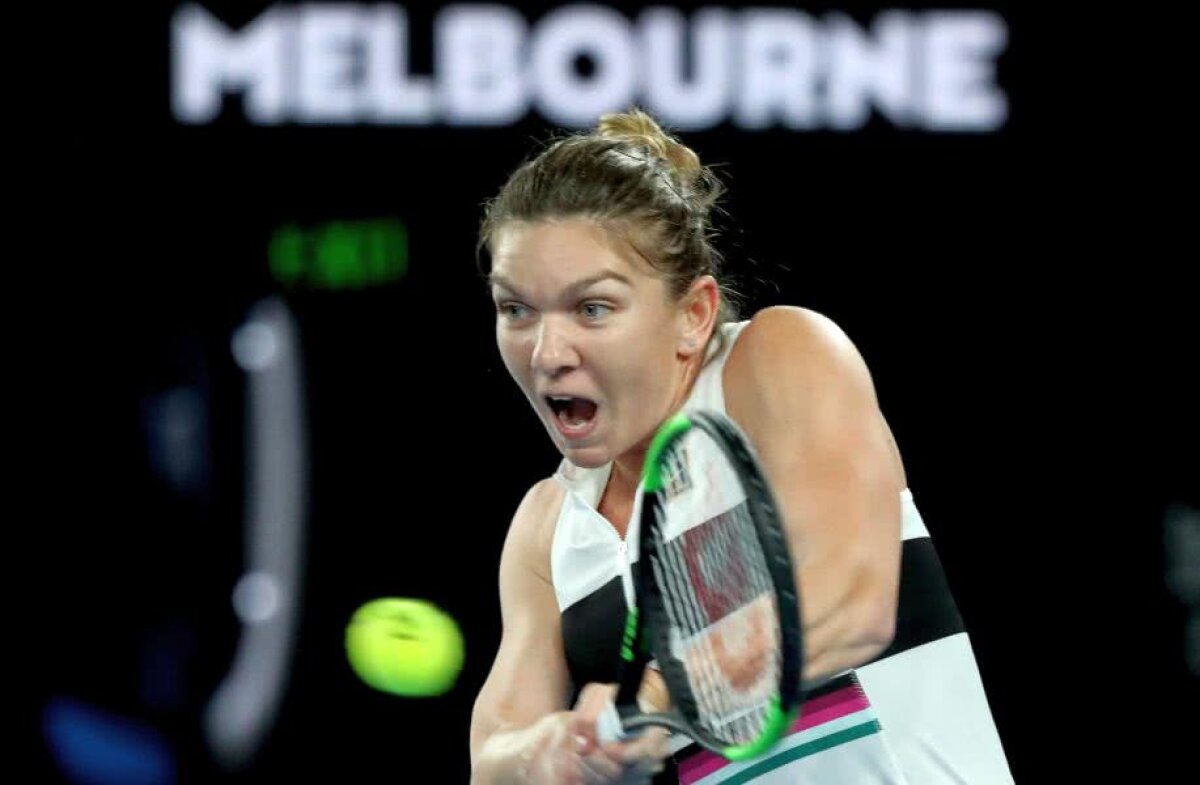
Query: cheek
643	367
514	354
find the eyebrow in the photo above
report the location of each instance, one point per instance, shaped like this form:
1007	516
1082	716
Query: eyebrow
495	279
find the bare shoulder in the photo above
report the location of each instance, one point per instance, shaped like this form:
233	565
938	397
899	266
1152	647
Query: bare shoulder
794	376
543	498
793	351
532	530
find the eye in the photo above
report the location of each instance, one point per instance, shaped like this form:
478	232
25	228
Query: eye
593	310
512	311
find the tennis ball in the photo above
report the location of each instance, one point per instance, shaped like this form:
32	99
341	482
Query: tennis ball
404	647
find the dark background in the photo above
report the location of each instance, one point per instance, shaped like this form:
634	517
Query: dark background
1034	368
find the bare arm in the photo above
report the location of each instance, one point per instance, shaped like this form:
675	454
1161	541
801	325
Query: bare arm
529	678
804	396
521	730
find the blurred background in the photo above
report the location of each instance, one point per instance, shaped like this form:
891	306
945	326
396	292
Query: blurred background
273	392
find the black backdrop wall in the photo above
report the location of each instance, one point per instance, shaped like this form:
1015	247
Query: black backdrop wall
1038	400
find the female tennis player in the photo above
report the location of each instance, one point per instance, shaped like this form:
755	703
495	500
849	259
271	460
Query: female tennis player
611	316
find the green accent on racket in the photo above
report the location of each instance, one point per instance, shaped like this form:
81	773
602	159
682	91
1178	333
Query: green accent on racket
671	430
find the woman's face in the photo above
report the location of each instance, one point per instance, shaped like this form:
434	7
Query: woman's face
589	332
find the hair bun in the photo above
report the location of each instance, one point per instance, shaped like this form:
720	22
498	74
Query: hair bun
640	130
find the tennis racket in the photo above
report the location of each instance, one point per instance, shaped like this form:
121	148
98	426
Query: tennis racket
716	601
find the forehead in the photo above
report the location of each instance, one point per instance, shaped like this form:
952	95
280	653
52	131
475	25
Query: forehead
561	252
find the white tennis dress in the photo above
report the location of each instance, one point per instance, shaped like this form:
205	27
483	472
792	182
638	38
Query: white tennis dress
916	715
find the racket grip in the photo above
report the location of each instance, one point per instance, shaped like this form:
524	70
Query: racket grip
608	725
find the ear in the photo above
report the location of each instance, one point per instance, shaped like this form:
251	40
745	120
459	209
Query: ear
699	307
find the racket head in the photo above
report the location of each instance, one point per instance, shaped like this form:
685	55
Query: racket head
715	588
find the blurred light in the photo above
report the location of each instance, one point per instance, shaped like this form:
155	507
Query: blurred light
245	705
94	747
176	437
255	346
1191	643
340	254
1182	535
256	597
1181	546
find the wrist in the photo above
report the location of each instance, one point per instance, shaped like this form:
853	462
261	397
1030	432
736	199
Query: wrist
510	757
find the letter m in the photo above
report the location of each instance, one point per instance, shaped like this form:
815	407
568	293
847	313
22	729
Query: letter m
208	60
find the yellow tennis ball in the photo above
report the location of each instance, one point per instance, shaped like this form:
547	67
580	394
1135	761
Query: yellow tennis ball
404	647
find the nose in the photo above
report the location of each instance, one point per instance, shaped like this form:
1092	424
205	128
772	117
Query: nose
554	351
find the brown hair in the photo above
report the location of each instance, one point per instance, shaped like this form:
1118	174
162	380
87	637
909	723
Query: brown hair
635	179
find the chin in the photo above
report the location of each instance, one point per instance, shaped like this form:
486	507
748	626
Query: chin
592	457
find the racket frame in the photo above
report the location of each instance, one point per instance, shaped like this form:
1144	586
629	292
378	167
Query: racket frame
642	637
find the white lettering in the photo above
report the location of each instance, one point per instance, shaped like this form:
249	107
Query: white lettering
779	62
206	59
702	101
960	92
564	35
866	74
479	65
327	38
760	68
392	95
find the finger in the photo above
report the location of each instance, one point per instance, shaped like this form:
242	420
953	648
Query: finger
649	746
582	731
598	768
593	700
594	697
652	694
645	768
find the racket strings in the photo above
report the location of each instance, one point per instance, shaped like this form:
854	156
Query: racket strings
719	600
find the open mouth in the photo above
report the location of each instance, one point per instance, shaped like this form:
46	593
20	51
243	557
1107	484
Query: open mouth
572	414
